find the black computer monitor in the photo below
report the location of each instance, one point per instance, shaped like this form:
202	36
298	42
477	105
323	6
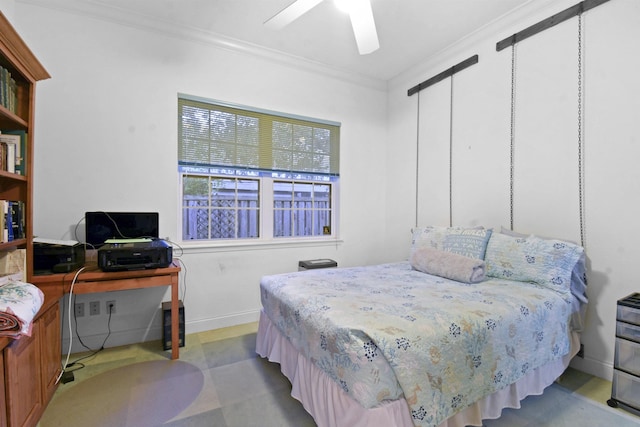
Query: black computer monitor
101	226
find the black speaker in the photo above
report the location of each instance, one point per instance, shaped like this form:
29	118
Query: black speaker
166	325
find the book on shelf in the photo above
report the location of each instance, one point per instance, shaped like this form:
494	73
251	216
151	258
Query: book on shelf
3	86
8	90
11	158
4	231
17	219
12	150
9	219
6	221
12	220
8	153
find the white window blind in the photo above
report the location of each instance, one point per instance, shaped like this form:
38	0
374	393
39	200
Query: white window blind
213	133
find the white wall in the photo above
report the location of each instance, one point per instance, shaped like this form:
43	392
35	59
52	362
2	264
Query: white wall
546	197
106	138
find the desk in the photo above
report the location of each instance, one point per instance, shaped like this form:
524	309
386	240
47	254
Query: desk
93	280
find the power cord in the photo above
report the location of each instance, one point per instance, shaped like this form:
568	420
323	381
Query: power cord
90	349
66	375
73	282
75	321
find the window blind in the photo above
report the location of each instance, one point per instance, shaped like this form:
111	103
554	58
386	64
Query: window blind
218	134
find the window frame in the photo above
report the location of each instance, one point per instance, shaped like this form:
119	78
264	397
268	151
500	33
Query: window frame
266	219
266	179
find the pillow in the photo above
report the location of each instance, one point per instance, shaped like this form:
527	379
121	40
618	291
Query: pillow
428	237
448	265
578	280
512	233
469	242
547	262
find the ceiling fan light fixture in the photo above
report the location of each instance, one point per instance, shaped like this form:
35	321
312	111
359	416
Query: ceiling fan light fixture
344	5
364	26
290	13
360	13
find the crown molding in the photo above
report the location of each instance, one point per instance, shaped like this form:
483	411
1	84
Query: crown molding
97	10
19	52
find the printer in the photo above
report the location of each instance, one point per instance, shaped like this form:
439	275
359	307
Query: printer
134	254
57	256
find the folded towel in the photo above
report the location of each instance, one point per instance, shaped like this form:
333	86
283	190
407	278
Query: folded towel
9	324
448	265
19	304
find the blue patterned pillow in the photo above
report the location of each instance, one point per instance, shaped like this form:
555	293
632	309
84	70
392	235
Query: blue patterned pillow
469	242
547	262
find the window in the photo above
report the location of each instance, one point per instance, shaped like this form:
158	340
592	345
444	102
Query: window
254	174
301	209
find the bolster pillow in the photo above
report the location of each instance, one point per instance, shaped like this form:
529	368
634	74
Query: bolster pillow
448	265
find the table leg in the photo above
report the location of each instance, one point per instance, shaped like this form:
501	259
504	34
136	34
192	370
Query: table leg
175	318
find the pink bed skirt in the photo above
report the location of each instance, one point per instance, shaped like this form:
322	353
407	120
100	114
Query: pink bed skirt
331	406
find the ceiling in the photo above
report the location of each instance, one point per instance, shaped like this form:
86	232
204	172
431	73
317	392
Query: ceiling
410	31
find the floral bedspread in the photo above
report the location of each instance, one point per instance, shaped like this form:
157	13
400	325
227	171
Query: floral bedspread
387	331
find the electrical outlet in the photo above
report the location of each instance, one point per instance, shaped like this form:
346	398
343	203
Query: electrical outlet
111	307
94	308
79	309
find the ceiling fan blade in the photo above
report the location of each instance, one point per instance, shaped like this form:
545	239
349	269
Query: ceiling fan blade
290	13
364	26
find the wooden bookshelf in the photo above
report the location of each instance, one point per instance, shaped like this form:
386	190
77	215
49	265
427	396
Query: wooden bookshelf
25	70
30	364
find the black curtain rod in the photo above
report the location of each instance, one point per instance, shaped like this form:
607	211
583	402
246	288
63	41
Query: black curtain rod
549	22
443	75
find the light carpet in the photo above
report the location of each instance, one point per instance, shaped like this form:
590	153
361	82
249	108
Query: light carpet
559	407
219	381
141	394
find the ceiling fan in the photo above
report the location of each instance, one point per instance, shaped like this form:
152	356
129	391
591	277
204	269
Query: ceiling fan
360	13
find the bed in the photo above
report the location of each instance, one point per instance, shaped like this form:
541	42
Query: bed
404	344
